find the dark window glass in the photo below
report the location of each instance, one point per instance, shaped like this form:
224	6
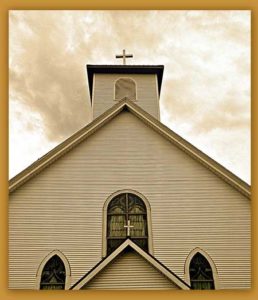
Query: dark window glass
201	273
53	274
126	210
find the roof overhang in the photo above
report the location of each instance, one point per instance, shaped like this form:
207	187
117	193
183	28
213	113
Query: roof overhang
149	120
124	69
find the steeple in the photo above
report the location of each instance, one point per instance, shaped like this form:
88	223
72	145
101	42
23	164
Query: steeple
108	84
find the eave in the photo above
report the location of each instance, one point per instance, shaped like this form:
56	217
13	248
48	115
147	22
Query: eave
124	69
150	121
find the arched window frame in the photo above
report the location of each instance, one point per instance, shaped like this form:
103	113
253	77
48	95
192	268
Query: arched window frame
46	259
136	94
149	226
212	264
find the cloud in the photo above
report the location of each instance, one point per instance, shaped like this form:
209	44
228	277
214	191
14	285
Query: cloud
206	84
47	78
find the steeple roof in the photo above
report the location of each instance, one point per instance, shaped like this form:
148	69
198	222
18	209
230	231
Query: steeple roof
124	69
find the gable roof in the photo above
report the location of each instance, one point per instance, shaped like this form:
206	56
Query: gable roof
149	120
128	243
124	69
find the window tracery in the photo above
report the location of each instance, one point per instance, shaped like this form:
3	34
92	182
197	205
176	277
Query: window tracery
53	274
126	217
201	275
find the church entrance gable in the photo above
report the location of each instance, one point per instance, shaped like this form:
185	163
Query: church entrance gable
130	267
130	271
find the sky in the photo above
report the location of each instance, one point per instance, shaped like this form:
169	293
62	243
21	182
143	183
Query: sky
205	95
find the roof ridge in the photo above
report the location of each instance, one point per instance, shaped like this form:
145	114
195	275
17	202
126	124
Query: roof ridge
169	134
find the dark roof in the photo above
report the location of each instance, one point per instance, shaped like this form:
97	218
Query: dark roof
124	69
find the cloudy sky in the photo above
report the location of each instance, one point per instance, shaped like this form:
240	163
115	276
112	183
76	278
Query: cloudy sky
205	94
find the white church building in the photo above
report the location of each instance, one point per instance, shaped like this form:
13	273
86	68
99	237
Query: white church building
126	203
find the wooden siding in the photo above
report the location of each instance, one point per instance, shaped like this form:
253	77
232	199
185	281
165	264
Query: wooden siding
61	208
130	271
146	92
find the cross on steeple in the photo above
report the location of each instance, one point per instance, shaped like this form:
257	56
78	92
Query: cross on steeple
128	227
124	56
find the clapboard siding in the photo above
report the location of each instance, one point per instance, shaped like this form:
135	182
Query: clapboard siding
130	271
62	207
146	92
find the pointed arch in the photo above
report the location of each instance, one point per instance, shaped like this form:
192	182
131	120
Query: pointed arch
190	259
125	87
64	264
105	219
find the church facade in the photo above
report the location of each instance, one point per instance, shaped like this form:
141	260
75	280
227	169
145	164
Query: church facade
126	203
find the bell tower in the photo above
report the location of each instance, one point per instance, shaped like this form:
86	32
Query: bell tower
108	84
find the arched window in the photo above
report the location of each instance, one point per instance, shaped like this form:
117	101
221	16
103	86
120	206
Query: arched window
125	87
201	275
126	217
53	274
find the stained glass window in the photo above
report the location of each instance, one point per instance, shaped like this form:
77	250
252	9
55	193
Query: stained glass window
201	273
123	208
125	87
53	274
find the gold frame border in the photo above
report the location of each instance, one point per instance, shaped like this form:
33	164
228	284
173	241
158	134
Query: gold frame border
5	6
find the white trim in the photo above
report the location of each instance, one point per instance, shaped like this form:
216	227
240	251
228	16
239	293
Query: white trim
46	259
104	225
157	96
212	264
144	254
65	148
186	149
98	122
93	96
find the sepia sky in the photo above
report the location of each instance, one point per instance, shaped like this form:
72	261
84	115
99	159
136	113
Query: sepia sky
205	94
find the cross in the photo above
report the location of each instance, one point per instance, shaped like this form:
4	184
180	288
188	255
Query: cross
124	56
128	226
